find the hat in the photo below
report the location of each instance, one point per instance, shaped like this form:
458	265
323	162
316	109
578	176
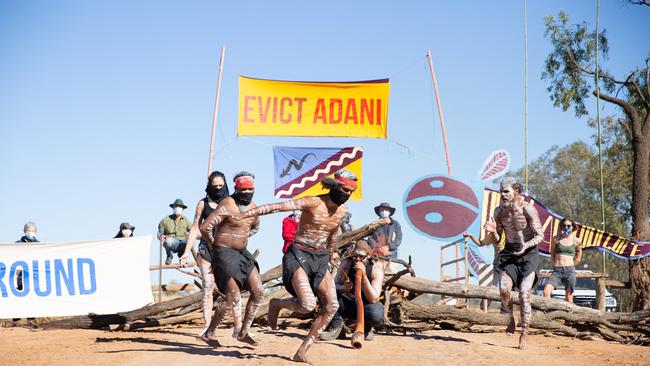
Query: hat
126	226
385	205
178	202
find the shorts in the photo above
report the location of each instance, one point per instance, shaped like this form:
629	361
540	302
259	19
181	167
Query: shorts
518	267
315	263
564	275
231	263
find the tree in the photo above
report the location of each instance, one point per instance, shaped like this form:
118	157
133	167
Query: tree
570	70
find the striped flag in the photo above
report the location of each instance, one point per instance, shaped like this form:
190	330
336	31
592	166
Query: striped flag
299	170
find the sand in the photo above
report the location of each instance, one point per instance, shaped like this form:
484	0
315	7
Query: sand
167	346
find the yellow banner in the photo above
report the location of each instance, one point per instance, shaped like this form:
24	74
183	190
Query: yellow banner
294	108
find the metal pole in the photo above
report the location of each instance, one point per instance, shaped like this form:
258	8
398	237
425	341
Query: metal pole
442	120
525	97
216	109
600	148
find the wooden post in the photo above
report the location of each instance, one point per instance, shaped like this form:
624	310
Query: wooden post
216	109
600	293
442	120
160	262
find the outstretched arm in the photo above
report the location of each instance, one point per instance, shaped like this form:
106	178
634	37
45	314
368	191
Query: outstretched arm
297	204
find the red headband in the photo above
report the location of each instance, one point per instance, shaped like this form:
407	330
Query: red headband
349	182
244	182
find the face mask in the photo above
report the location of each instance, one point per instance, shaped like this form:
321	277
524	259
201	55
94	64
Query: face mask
338	197
384	213
30	235
126	233
217	194
178	210
567	230
243	198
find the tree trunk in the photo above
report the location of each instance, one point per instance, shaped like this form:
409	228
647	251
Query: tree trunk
421	285
640	269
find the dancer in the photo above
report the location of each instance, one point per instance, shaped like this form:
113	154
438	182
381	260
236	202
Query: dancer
216	190
519	222
305	265
234	267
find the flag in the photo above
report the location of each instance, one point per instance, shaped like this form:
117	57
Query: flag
299	170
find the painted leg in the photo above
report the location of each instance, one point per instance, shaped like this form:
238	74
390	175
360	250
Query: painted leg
505	285
253	305
524	303
327	294
305	302
207	289
232	298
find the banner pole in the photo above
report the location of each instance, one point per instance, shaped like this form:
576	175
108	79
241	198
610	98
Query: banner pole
442	120
216	109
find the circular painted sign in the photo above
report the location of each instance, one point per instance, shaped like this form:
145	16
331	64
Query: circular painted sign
440	207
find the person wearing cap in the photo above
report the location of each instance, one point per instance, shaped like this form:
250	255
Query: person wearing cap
305	265
234	267
388	236
29	236
126	231
173	230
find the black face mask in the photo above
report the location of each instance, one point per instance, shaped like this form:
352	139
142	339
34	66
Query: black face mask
217	194
338	197
242	198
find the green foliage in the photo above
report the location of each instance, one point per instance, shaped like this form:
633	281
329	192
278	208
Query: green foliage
572	57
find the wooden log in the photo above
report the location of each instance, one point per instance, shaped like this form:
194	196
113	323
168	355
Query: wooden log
420	285
174	287
170	266
95	321
445	312
139	324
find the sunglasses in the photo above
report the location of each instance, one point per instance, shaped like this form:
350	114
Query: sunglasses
567	226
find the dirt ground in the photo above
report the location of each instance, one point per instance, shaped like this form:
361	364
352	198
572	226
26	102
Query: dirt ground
179	346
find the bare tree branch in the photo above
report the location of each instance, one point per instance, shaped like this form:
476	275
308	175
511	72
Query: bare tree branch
627	107
639	2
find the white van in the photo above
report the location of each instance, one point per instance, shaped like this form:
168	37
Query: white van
584	293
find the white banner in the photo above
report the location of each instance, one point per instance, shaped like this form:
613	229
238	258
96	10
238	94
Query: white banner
63	279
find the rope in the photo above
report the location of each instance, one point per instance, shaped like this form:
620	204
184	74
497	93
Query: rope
525	97
600	149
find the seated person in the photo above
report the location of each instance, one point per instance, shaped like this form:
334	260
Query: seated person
361	259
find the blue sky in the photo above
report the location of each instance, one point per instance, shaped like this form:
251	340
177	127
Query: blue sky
106	107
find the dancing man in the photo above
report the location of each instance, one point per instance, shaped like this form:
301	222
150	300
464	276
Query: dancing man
305	265
517	264
234	267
